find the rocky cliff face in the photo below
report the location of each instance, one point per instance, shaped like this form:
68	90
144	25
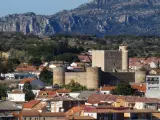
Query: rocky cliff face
100	17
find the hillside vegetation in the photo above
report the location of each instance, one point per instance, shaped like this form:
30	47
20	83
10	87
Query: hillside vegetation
63	47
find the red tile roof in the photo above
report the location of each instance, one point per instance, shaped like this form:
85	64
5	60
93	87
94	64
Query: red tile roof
97	98
47	93
26	68
100	98
35	113
74	110
30	104
81	118
63	91
25	80
85	58
107	88
139	87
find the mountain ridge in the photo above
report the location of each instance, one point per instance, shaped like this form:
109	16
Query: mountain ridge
98	17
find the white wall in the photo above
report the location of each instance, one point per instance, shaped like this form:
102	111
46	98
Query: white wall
16	97
139	105
153	65
74	95
105	92
36	92
55	106
74	64
94	115
20	86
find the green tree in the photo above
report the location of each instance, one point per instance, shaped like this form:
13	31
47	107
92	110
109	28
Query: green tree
27	89
14	61
3	91
123	89
46	76
35	61
68	57
29	96
74	86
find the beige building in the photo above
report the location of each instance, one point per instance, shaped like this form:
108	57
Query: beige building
111	60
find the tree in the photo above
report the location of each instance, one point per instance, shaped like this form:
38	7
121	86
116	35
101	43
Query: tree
68	57
14	61
123	89
35	61
3	91
27	89
46	76
29	96
74	86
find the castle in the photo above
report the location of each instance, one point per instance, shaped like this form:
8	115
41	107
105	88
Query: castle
111	60
108	68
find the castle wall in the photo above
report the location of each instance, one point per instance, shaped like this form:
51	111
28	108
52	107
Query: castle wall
95	78
80	77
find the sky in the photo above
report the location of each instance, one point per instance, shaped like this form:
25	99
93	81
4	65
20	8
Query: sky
44	7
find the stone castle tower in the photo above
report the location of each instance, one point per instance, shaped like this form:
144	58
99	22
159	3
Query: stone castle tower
125	60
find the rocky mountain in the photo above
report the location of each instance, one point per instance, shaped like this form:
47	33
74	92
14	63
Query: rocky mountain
100	17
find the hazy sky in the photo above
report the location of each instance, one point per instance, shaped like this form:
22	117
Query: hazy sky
46	7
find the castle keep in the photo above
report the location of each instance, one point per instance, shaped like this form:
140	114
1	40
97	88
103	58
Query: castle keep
111	60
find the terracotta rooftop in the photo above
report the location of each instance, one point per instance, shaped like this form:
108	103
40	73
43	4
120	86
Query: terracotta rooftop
30	113
139	87
26	68
63	91
39	106
85	58
74	110
81	118
30	104
25	80
107	88
101	98
96	98
55	114
49	92
35	113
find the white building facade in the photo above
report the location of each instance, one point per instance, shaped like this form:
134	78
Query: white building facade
16	97
153	86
